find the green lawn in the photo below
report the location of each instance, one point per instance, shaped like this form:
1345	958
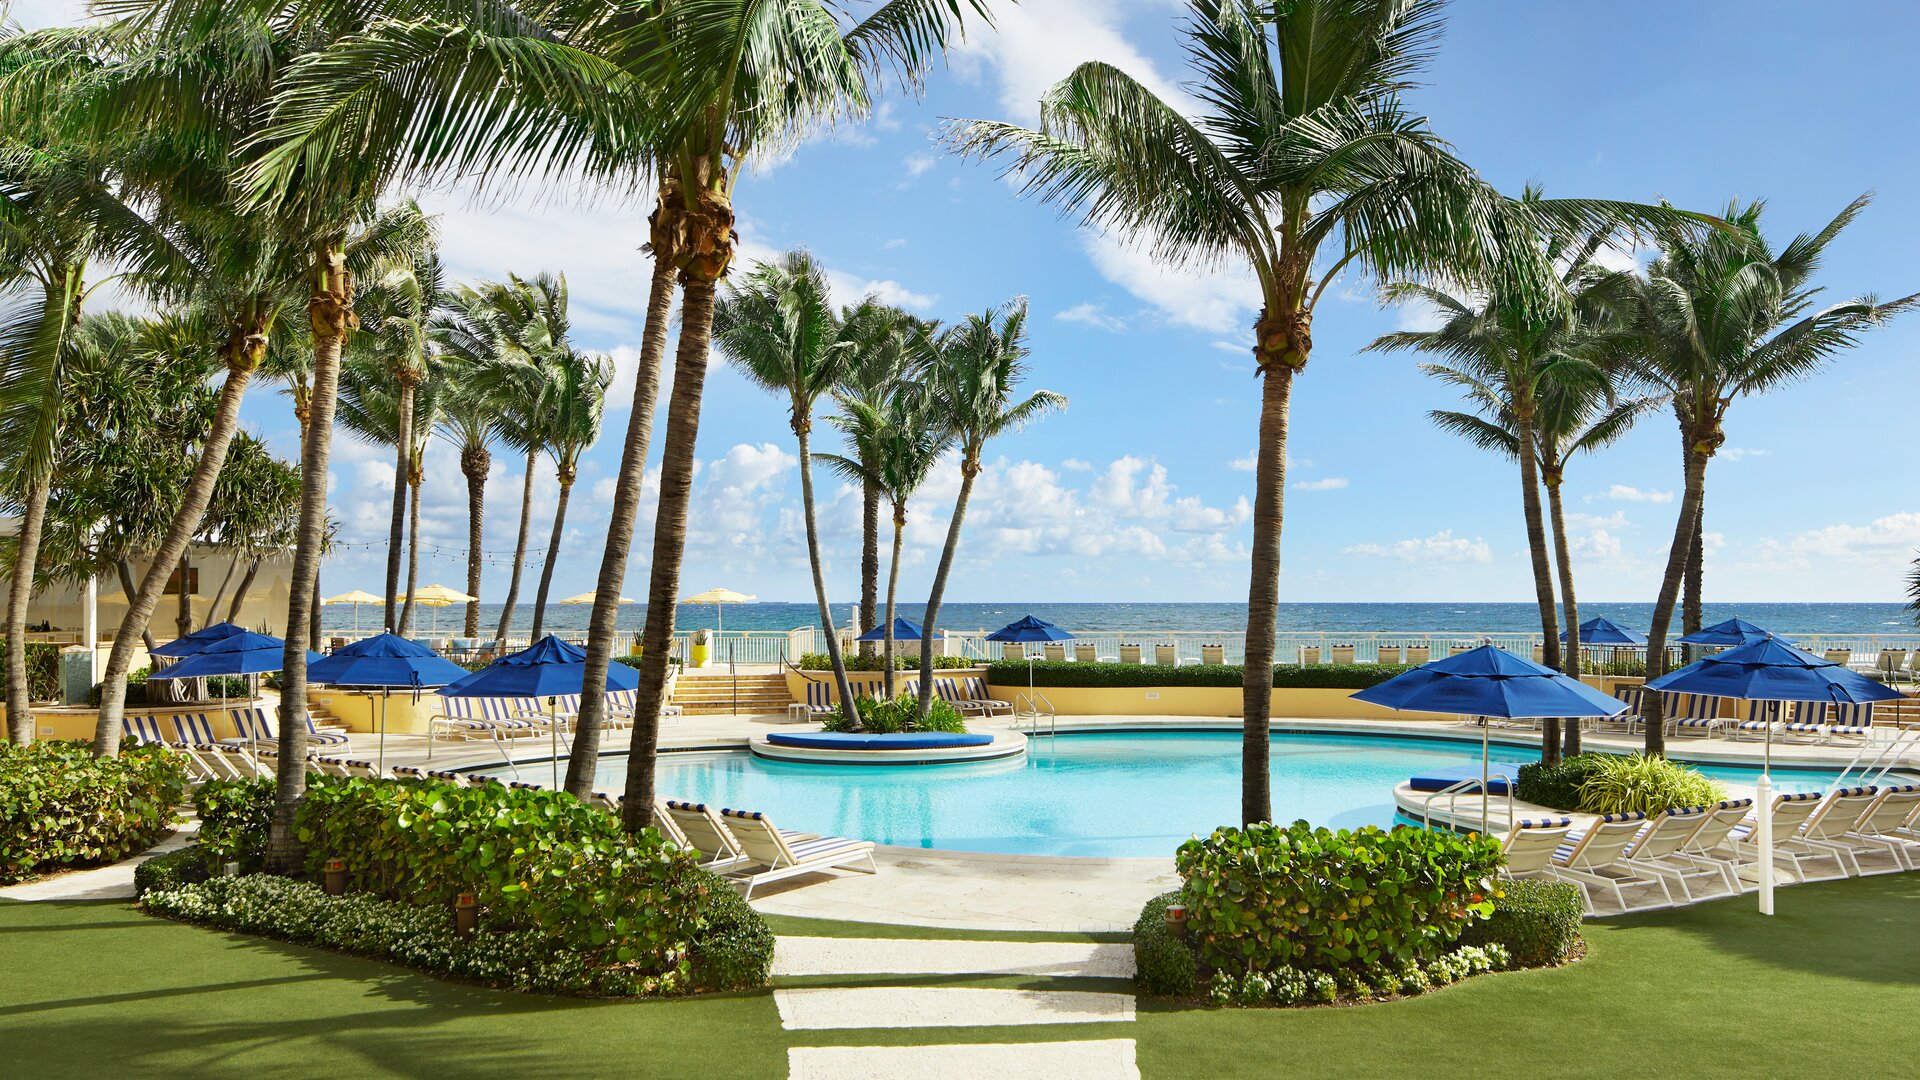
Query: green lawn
96	990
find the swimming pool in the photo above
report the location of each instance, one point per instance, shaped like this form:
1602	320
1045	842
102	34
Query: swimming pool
1110	794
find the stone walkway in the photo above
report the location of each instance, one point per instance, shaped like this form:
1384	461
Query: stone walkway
905	1005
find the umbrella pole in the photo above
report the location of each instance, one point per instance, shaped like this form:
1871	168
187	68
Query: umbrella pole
1485	795
553	731
1763	799
382	755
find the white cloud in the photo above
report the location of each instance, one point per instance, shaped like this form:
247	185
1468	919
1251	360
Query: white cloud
1441	547
918	164
894	244
1245	464
1737	453
848	288
1418	316
1073	464
1034	46
1217	300
1094	315
1328	483
1626	493
1889	540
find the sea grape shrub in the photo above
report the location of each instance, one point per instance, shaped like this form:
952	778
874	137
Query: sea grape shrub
234	818
60	806
535	861
1265	897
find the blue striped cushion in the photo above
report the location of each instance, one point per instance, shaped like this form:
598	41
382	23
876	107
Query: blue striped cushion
1734	804
1851	791
1542	823
1695	723
750	815
1805	796
698	808
1632	815
1799	727
823	846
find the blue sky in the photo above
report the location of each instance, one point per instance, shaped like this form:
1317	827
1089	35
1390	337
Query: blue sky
1140	490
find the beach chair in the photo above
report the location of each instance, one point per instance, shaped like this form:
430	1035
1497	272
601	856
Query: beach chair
1892	663
480	780
1529	847
1878	829
1342	654
1013	650
1853	723
192	729
819	704
1055	651
145	730
240	764
982	699
1762	717
1389	654
408	772
1626	722
777	858
1658	847
1693	714
1456	650
1539	653
1129	654
1839	656
1084	652
1707	847
1166	655
1827	828
1790	814
1309	655
1418	654
252	727
1809	723
1213	655
1595	857
706	833
330	766
362	770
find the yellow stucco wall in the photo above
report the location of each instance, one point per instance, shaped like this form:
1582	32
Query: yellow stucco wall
79	723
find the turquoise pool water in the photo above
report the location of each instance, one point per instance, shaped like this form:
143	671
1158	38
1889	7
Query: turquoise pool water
1123	794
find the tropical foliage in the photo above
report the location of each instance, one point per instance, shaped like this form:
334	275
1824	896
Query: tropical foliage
61	807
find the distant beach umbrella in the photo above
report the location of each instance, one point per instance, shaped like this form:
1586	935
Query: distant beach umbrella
1485	682
1729	633
903	630
1025	629
1607	632
718	598
588	598
198	640
356	598
1772	670
437	597
245	653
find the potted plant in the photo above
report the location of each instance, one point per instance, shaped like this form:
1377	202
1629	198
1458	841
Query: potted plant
702	644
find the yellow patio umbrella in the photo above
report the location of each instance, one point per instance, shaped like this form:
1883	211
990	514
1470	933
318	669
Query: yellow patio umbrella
356	598
587	598
718	598
439	596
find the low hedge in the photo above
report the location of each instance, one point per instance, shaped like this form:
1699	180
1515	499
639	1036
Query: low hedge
903	660
183	866
62	807
1267	897
537	862
1288	676
1537	922
1163	964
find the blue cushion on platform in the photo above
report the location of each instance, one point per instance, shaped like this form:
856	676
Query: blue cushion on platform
1498	777
905	740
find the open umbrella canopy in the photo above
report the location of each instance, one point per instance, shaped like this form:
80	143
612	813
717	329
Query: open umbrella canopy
1731	632
548	668
1607	632
439	596
385	660
199	639
903	630
1489	682
720	596
357	596
587	598
245	653
1029	628
1773	670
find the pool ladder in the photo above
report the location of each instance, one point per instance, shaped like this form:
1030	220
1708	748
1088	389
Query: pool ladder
1885	757
1031	707
1452	793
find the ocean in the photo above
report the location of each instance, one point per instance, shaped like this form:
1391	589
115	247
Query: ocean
1331	618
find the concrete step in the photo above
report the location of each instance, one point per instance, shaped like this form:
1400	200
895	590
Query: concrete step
830	1008
1094	1059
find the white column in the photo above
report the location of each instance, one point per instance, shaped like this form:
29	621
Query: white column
1763	801
90	628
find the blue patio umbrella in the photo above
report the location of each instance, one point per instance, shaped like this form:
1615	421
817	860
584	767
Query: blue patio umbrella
1487	682
1025	629
548	668
1729	633
192	643
385	661
1607	632
903	630
244	653
1772	670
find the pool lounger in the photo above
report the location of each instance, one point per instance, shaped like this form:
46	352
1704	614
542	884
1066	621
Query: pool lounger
1877	830
1595	857
706	833
777	858
1790	815
1657	850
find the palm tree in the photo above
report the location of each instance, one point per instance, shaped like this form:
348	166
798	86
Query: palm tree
880	335
895	447
1721	317
686	94
778	329
970	370
1301	144
572	400
383	411
472	417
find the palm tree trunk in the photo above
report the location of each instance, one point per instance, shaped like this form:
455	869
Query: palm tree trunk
602	624
220	594
553	552
1570	659
413	552
519	553
893	586
183	609
802	428
127	589
968	470
669	544
403	442
1542	572
1696	479
1263	593
33	516
313	611
870	564
240	591
475	462
1690	604
242	355
330	311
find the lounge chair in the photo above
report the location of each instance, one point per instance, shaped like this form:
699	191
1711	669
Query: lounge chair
192	729
1013	650
1418	654
1707	846
1827	829
1539	653
1055	651
1692	714
1213	654
1596	857
706	833
980	698
1309	655
819	704
258	729
1084	652
408	772
1878	829
780	858
1627	722
241	764
1389	654
212	763
1456	650
1763	717
1850	722
1892	663
1658	849
1790	815
1166	655
662	821
363	770
1129	654
145	730
1530	846
1839	656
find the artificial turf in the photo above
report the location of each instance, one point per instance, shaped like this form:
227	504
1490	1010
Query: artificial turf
1832	982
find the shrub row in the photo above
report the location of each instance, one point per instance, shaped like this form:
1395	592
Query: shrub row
1265	897
60	806
904	659
234	815
1536	922
886	717
183	866
1614	784
1076	673
1294	986
536	861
